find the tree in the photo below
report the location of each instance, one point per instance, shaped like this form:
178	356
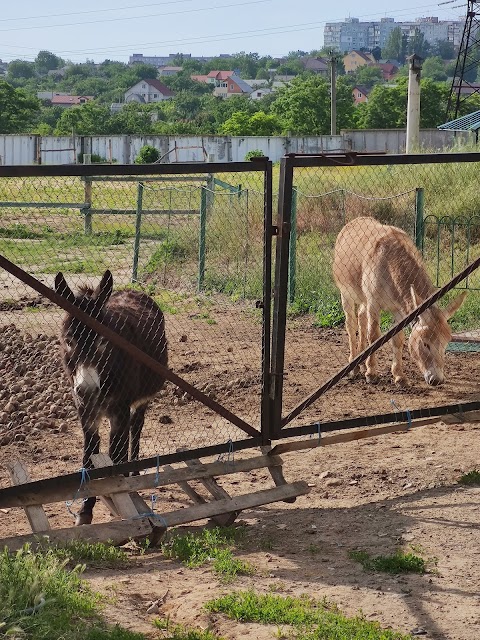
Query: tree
434	69
17	109
418	45
303	106
238	124
20	69
368	76
443	48
263	124
89	119
376	53
46	61
396	46
387	106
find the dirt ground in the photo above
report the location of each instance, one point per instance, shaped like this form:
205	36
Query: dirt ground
375	495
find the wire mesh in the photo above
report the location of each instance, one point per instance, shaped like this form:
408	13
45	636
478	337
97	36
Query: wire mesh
353	272
183	252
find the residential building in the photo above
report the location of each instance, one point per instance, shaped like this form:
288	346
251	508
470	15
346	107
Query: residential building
260	92
169	71
162	61
233	85
224	83
360	94
148	90
320	66
62	99
389	70
353	34
355	59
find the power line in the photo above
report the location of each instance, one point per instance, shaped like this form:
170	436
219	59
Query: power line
79	13
219	37
151	15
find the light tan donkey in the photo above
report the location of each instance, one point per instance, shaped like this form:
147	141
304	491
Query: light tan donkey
378	268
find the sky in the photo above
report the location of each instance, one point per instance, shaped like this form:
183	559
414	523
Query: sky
114	29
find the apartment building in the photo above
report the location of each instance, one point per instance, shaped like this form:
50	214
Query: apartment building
353	34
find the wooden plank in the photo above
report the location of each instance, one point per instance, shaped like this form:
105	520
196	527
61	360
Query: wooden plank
118	532
218	492
237	503
277	471
115	484
190	491
122	501
350	436
35	514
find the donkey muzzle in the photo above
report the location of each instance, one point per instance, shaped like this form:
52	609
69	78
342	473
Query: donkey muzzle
86	381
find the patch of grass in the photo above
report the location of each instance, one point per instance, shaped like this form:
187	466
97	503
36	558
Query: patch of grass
399	562
311	620
470	478
96	554
179	632
19	231
210	545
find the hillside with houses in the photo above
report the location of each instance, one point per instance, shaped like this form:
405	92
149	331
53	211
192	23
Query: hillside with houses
237	94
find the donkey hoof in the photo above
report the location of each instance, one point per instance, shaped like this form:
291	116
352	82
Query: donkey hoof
354	373
83	518
371	378
400	382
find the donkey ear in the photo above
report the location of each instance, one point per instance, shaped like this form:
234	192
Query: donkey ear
415	299
63	289
454	305
104	290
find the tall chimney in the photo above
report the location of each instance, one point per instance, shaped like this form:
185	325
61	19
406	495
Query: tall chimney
413	104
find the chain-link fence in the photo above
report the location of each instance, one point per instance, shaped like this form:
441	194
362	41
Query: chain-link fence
351	276
173	262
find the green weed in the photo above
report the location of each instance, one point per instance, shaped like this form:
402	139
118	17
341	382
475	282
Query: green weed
96	554
179	632
399	562
211	545
311	620
470	478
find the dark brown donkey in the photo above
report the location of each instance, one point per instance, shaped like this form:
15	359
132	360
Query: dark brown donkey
105	380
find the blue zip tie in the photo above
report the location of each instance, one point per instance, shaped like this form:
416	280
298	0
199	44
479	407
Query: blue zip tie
407	411
84	478
230	455
409	418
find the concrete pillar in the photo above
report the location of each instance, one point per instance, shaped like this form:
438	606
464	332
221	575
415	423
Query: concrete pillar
413	104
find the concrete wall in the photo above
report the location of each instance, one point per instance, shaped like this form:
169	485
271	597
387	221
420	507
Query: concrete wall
27	150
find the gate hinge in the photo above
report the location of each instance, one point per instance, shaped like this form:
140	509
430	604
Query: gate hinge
274	230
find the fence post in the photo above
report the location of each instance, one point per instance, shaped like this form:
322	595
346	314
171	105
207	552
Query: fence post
292	249
202	238
87	216
210	189
419	217
281	292
138	232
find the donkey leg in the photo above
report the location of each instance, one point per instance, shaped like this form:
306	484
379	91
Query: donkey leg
137	420
119	433
373	332
91	445
362	330
351	326
397	349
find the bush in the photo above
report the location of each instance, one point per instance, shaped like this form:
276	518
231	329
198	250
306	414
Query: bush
255	153
147	155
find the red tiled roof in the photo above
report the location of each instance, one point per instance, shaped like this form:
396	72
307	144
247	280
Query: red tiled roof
159	86
199	78
220	75
70	99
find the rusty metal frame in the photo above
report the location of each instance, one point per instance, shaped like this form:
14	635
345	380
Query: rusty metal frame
287	166
259	165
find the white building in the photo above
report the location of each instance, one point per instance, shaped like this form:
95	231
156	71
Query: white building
146	91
